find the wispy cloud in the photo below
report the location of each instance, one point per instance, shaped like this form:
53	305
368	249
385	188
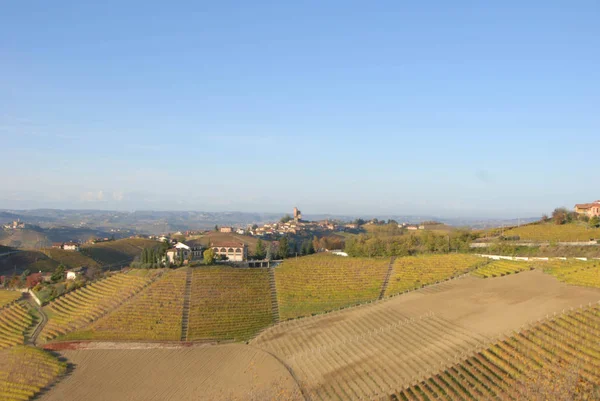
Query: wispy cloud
92	196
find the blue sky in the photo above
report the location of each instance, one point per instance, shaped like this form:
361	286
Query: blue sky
447	108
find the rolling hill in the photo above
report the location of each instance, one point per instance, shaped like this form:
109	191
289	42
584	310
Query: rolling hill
121	251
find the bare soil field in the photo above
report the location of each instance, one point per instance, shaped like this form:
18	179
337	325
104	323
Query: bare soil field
370	351
223	372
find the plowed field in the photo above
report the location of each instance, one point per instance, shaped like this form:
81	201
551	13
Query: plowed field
364	352
224	372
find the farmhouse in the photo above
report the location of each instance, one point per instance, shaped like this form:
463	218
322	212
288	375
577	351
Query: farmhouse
189	252
226	229
71	246
72	274
589	209
234	251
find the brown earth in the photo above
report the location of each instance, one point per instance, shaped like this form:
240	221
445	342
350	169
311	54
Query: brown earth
359	353
223	372
371	351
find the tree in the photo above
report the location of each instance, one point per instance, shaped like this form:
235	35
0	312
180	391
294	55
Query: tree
594	222
284	247
560	215
59	274
254	226
259	253
269	254
285	218
216	227
180	258
209	256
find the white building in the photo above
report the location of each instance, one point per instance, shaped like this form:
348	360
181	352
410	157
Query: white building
71	246
188	252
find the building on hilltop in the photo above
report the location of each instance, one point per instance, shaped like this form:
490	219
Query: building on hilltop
589	209
226	229
233	251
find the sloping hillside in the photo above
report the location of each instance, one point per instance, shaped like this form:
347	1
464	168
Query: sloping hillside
571	232
117	252
24	238
70	259
33	261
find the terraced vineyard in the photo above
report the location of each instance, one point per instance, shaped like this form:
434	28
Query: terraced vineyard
229	303
576	272
24	371
558	359
321	283
14	321
414	272
501	268
79	308
571	232
152	314
6	297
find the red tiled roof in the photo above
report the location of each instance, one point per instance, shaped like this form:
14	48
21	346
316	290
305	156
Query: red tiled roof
587	205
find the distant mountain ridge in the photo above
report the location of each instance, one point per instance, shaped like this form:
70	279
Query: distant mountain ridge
156	222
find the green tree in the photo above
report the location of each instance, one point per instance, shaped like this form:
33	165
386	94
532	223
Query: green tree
284	247
259	253
285	218
594	222
216	227
209	256
59	274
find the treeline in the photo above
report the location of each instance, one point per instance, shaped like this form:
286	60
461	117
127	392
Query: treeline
408	244
289	246
153	258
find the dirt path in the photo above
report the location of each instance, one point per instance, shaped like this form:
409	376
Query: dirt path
363	352
223	372
43	319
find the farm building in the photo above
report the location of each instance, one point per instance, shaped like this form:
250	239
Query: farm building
226	229
71	246
189	252
72	274
234	251
589	209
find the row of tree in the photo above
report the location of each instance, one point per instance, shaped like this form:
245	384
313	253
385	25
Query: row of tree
405	245
562	215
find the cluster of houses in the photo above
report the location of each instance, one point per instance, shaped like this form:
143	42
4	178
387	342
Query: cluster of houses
14	225
296	225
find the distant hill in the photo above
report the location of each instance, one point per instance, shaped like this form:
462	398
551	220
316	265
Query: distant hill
31	238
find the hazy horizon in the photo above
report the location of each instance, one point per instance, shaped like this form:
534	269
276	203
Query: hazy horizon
443	109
